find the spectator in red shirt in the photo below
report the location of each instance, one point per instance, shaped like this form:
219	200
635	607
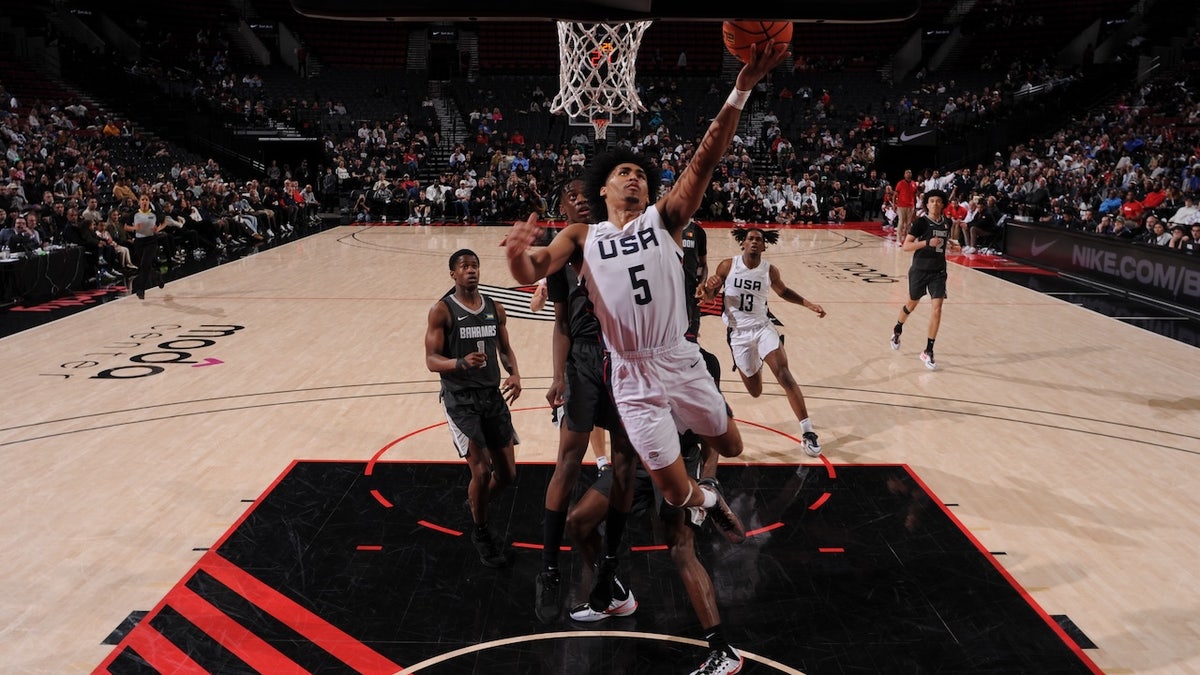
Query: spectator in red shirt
906	204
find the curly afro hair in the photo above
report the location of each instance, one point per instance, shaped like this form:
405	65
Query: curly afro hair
599	169
740	233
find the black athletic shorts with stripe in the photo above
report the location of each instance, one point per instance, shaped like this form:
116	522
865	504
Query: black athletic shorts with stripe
478	415
589	401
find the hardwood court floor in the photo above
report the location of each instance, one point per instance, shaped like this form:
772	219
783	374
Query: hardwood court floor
137	433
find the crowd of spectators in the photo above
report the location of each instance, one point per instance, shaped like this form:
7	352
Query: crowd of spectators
72	176
1130	170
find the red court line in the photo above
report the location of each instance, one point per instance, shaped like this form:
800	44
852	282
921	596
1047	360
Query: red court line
368	547
230	634
820	500
439	528
831	550
161	653
655	547
1045	616
773	526
325	635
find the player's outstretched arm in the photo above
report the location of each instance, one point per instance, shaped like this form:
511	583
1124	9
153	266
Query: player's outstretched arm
680	204
528	263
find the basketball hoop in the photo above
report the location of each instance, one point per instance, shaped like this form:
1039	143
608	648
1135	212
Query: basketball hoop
601	126
596	70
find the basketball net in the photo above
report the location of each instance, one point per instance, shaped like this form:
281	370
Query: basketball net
597	70
600	124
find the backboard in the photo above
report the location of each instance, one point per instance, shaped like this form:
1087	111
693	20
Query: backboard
833	11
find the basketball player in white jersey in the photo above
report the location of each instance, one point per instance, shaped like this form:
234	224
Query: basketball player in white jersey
633	272
753	339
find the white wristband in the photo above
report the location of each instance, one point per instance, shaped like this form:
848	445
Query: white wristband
737	98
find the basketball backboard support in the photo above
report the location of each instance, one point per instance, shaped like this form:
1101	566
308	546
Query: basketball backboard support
812	11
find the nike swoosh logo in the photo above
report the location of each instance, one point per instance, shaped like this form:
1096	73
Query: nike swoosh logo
463	318
1036	249
694	363
906	137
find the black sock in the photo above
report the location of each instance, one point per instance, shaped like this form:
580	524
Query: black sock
614	530
481	527
716	638
553	523
899	328
929	345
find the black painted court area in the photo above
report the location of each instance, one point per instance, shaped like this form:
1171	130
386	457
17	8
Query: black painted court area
850	569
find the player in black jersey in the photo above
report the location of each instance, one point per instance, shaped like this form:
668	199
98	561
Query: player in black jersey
580	388
694	242
927	240
466	342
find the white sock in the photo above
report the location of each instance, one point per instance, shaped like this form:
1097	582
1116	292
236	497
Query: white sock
710	498
601	462
806	425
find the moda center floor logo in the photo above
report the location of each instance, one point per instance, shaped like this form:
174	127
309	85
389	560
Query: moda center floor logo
149	352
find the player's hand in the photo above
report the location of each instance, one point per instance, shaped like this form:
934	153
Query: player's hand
538	301
554	395
819	310
761	61
708	290
476	360
522	236
936	242
511	388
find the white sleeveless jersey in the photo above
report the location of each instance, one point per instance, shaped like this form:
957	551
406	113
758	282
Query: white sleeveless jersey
634	277
746	294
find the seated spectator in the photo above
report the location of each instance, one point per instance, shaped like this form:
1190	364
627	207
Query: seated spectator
1110	205
310	202
984	224
1179	238
1156	232
1186	214
361	209
1121	229
21	238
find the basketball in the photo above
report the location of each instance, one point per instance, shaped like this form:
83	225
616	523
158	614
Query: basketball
741	36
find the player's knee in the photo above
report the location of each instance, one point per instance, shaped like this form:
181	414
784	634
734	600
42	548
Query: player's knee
728	447
785	378
575	528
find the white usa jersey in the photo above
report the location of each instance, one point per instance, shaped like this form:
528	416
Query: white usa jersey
746	294
634	277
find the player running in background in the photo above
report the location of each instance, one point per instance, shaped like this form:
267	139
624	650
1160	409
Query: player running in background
753	339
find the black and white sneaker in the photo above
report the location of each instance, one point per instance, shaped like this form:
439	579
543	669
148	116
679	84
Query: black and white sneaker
622	603
604	584
811	447
724	517
721	662
895	342
548	604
